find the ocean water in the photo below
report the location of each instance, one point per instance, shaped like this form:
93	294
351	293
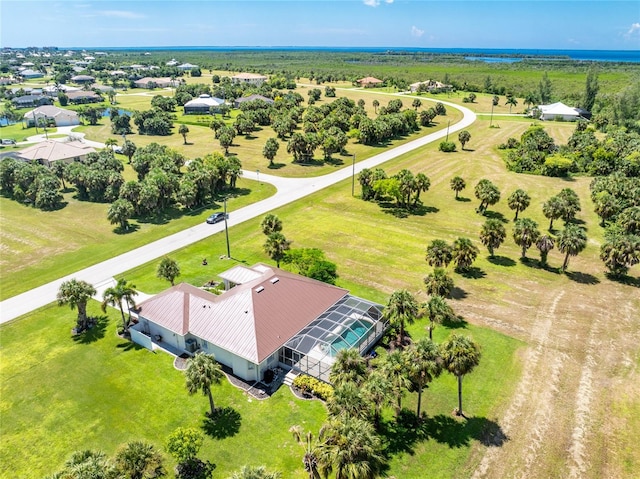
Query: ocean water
480	54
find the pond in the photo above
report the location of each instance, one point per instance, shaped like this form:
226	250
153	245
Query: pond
107	112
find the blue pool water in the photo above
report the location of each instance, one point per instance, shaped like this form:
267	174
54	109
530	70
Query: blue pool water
350	337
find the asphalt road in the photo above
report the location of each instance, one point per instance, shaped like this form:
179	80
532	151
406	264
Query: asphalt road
288	190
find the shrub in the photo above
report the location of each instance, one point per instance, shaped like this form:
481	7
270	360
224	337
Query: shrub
447	146
311	385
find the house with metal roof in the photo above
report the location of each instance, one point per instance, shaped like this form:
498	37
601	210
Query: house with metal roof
239	101
50	113
265	318
50	151
560	111
202	105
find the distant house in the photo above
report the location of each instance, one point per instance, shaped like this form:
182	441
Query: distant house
52	114
428	85
27	101
30	74
250	78
187	66
80	96
150	83
267	317
83	79
53	90
7	81
560	111
50	151
369	82
239	101
202	104
172	63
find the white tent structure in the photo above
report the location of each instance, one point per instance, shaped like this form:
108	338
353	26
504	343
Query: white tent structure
558	111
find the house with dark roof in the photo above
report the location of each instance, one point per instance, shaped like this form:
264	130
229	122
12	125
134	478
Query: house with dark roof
239	101
265	318
83	79
30	74
80	96
26	101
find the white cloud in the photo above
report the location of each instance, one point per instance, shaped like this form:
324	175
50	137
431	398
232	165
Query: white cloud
634	30
573	41
375	3
120	14
416	32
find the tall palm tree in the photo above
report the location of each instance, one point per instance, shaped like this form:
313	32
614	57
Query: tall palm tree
309	459
255	472
202	372
460	355
571	241
349	366
351	449
487	193
518	201
552	210
545	244
76	293
378	391
183	130
347	400
276	246
457	184
421	184
375	104
525	233
511	101
139	460
570	204
425	364
394	367
438	283
492	235
439	254
402	308
438	311
464	253
271	224
122	291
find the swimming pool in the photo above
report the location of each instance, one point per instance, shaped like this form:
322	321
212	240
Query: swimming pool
351	336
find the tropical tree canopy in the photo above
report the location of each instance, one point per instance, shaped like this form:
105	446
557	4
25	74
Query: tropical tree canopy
76	293
460	355
401	309
571	241
203	372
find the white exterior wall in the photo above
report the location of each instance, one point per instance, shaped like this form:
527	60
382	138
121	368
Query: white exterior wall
552	117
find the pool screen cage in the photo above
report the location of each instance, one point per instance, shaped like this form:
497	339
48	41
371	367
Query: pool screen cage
350	323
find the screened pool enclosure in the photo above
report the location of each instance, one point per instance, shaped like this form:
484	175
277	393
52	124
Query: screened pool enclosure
350	323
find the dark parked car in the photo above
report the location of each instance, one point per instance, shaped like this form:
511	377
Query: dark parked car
216	218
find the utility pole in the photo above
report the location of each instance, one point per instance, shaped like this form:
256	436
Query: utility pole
226	228
448	123
353	176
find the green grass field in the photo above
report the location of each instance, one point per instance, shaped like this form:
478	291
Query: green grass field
59	394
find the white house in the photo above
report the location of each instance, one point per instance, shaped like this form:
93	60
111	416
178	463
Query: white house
269	317
60	116
187	66
251	78
558	111
428	85
202	104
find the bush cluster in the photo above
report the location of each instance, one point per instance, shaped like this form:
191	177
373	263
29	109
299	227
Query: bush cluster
311	385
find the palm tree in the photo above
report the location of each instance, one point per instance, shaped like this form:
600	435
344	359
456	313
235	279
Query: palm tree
183	130
457	184
309	459
378	390
464	253
351	449
76	293
394	368
123	290
202	372
421	183
347	401
511	101
438	311
460	356
439	254
425	364
139	460
349	366
525	233
168	269
416	104
271	224
375	104
571	241
518	201
487	193
544	244
109	143
438	283
570	204
552	210
492	235
402	308
276	246
255	472
620	252
463	137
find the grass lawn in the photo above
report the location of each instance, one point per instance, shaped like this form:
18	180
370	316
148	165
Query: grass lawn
60	394
41	246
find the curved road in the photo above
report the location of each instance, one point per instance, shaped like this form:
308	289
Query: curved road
288	190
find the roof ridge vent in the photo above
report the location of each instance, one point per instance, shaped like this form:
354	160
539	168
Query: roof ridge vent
274	280
259	289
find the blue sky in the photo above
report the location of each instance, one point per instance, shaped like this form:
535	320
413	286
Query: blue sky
538	24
